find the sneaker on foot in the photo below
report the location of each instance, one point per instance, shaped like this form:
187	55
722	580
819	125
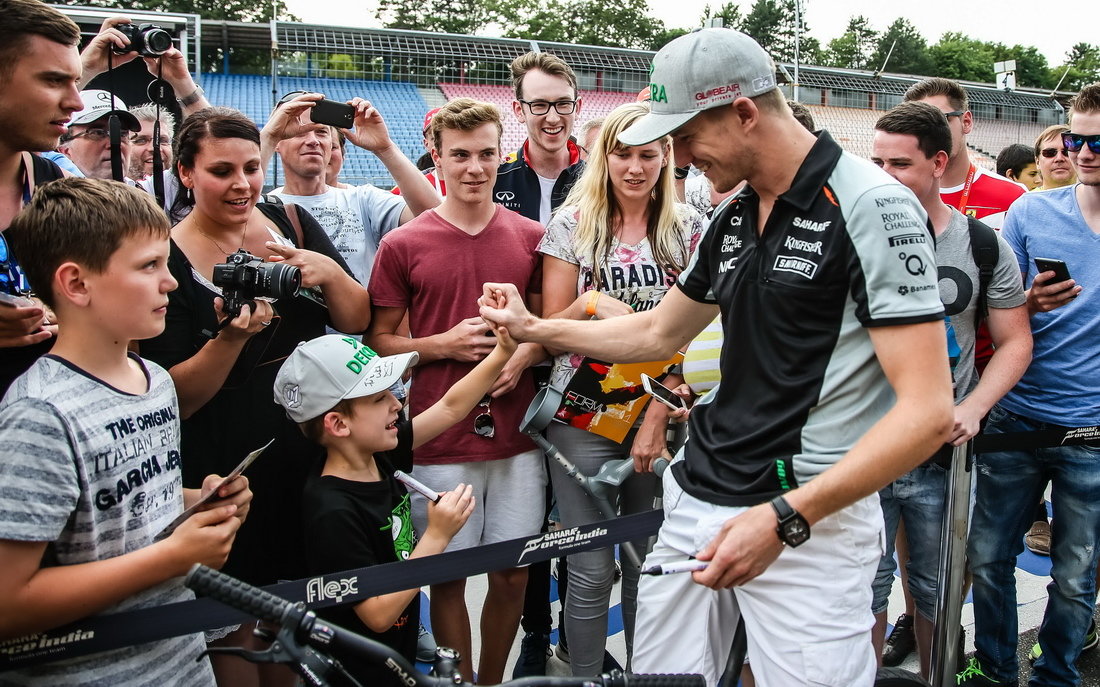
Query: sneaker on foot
425	645
534	649
1035	653
900	643
1091	638
562	650
1090	643
1037	538
973	676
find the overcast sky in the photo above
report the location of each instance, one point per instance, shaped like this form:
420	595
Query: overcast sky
1026	22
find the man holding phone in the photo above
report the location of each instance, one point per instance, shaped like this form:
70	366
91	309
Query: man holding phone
302	129
911	144
1061	389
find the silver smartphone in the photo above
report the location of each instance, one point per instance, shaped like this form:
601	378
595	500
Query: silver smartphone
662	393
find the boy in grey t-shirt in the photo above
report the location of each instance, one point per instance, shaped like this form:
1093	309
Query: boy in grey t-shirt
911	143
90	439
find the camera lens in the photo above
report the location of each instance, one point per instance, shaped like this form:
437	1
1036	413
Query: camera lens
157	41
282	279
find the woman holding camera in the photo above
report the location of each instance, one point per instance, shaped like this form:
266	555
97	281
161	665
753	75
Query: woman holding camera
615	247
224	367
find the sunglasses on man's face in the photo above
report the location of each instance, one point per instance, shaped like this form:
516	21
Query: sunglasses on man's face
1052	152
1075	142
484	426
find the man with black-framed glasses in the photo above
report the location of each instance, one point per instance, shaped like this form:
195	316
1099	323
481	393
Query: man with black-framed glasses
1061	389
535	179
142	143
88	143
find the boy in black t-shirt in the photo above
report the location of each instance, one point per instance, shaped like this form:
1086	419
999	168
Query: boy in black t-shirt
356	513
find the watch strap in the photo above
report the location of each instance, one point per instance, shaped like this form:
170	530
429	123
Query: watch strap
782	509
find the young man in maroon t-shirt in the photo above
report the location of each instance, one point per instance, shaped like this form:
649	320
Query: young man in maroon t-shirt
432	270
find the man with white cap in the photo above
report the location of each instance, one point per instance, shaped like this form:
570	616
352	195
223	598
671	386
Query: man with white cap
88	141
834	377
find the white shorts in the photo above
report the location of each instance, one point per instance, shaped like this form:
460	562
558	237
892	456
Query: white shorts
510	497
807	617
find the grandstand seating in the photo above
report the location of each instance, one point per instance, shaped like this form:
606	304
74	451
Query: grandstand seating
403	105
991	136
852	128
596	104
400	104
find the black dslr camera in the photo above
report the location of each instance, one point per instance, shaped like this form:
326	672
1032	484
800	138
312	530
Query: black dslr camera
148	40
243	277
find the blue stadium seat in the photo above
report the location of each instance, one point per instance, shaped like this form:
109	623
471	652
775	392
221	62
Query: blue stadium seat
400	104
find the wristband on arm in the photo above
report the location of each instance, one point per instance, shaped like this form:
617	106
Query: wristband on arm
593	299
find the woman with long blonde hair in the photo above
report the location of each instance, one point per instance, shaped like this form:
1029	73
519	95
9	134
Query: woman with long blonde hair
616	246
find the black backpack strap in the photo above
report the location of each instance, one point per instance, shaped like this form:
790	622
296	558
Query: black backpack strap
983	246
44	170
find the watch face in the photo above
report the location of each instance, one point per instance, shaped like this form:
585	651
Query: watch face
796	531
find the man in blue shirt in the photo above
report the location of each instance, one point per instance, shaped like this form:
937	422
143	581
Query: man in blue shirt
1061	389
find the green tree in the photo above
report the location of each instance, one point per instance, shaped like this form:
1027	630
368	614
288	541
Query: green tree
1032	70
773	24
960	57
1081	68
853	49
762	23
625	24
729	13
910	51
663	38
447	16
227	10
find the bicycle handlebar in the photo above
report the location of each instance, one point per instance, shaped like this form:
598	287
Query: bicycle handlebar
305	629
237	594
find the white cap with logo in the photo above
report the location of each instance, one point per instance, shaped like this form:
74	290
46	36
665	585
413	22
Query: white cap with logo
97	104
703	69
324	371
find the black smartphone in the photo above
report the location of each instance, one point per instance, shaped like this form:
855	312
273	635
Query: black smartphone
662	393
1061	272
340	115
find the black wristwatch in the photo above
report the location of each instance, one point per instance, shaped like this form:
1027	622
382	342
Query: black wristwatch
793	530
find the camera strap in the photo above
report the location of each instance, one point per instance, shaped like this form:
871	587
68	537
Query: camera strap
160	93
114	126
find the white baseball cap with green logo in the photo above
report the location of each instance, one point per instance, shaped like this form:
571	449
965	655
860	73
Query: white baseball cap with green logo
700	70
324	371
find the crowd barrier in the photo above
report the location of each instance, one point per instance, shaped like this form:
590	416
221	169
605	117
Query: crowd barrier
106	632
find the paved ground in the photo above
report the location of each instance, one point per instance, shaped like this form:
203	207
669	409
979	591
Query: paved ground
1032	577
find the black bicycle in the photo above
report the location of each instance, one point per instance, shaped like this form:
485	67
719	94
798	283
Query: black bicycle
304	642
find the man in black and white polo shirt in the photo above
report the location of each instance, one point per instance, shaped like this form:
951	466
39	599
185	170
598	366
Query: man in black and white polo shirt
834	377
